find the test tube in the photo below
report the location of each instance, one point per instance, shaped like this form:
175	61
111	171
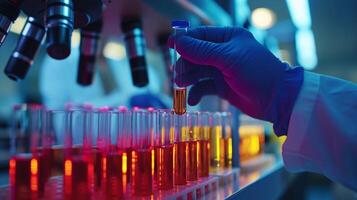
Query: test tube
251	140
180	149
226	141
27	166
193	131
141	155
164	150
55	127
215	140
78	158
203	154
125	141
155	140
101	130
115	165
179	101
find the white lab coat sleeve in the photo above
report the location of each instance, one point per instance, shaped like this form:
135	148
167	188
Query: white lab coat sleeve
322	133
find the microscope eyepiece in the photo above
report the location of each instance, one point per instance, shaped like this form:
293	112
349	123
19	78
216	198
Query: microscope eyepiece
88	52
59	23
9	12
22	57
135	48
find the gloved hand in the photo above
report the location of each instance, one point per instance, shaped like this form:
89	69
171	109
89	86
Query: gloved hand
229	62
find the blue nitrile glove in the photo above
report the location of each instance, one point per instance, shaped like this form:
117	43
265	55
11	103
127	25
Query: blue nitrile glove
229	62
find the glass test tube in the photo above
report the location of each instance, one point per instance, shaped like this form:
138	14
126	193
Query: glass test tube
203	154
127	145
192	136
179	101
226	141
124	141
164	150
116	165
141	155
55	128
180	149
215	140
101	132
112	156
28	164
156	141
78	157
251	141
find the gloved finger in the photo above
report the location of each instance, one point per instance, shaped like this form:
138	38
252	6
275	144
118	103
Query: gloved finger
199	51
184	66
200	89
212	33
184	80
208	33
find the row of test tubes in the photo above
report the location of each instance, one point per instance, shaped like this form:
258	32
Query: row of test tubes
114	152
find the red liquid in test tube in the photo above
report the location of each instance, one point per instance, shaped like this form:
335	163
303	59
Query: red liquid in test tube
57	160
26	178
203	158
45	155
164	166
180	154
97	167
112	171
191	162
77	172
141	171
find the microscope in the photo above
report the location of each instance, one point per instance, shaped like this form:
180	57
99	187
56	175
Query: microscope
55	21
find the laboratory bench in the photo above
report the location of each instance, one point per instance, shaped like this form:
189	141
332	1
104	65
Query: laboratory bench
266	183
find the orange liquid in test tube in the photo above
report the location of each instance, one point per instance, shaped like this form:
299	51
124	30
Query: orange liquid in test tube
180	101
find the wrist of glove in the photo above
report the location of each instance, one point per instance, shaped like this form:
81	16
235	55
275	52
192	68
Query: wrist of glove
282	106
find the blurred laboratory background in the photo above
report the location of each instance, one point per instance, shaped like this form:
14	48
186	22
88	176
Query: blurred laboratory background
317	35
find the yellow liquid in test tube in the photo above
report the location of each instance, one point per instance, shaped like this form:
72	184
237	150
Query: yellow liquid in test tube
215	145
228	149
251	141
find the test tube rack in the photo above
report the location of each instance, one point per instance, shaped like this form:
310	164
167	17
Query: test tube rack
193	190
226	175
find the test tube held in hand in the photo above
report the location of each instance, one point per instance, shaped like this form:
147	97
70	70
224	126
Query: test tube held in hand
179	104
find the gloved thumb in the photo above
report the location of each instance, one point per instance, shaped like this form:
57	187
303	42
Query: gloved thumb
197	51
